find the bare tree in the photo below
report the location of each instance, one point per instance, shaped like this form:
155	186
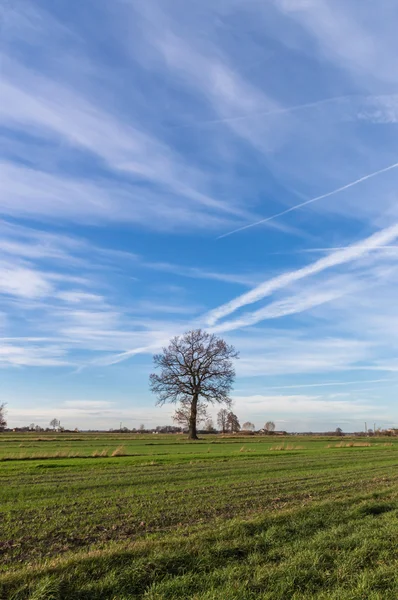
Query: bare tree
269	427
182	414
196	366
339	431
222	417
248	426
3	422
54	423
209	426
233	424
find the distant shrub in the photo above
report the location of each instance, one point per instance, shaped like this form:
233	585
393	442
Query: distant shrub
120	451
351	445
287	447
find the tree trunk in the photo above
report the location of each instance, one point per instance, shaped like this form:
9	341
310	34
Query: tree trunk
192	435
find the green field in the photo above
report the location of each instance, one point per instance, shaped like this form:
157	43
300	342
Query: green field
222	518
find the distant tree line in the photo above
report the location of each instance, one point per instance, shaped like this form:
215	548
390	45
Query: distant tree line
227	421
231	426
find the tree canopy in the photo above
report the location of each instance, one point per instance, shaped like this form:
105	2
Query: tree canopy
233	424
248	426
3	422
269	427
222	417
196	366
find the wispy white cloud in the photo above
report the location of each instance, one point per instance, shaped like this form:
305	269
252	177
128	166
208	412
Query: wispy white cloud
201	273
311	297
364	47
88	404
67	305
40	104
298	404
209	73
33	355
269	113
31	244
79	297
383	249
114	359
276	354
28	192
311	201
340	257
333	384
380	109
22	281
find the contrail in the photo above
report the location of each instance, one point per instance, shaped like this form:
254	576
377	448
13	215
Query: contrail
296	206
329	383
340	257
333	249
264	113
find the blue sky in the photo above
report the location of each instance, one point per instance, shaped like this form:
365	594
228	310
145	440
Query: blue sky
231	165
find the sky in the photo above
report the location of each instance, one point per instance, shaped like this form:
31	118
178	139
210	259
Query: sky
227	164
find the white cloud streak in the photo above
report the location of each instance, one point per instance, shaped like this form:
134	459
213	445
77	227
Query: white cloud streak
268	113
330	384
18	280
303	404
310	201
364	47
21	355
33	103
28	192
295	355
351	253
201	273
282	308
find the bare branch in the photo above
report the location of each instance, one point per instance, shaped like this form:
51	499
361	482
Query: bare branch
182	414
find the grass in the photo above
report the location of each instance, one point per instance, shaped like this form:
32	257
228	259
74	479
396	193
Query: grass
158	517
